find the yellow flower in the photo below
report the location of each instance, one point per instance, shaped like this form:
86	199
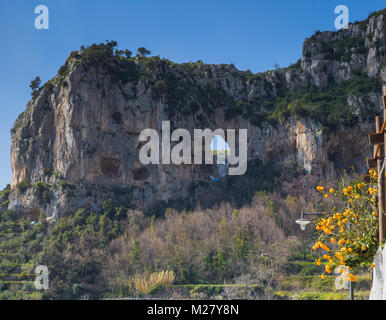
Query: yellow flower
357	196
332	190
318	262
371	171
373	213
345	220
349	188
328	269
321	188
349	249
341	241
316	246
326	195
372	265
352	278
359	186
363	247
323	276
332	240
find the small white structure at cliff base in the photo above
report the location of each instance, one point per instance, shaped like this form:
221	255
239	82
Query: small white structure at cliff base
378	288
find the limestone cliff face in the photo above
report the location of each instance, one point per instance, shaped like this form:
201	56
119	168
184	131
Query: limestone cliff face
80	134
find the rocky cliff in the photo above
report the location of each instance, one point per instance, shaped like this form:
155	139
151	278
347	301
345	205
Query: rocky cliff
76	144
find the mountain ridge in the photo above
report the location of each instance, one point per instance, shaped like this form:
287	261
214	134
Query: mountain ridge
313	116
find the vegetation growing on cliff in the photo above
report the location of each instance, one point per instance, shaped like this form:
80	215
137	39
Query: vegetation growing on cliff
330	106
184	96
35	86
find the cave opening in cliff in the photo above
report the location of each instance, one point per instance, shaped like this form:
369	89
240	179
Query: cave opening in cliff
111	167
221	150
140	173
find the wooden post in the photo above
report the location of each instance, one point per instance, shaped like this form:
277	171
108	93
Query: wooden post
381	180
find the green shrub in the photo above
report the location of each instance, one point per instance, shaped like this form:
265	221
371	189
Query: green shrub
35	86
22	186
5	192
5	203
159	88
43	192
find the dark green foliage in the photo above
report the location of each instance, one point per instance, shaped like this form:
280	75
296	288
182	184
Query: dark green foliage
73	254
259	177
143	51
181	95
5	192
43	192
74	55
22	186
363	24
18	123
238	190
9	215
19	245
35	86
66	184
159	88
63	71
102	52
330	106
240	108
127	71
342	49
128	53
4	204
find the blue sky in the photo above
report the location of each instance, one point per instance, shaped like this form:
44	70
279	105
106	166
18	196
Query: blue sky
252	35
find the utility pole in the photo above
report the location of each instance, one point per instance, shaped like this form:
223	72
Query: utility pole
378	140
381	178
350	284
